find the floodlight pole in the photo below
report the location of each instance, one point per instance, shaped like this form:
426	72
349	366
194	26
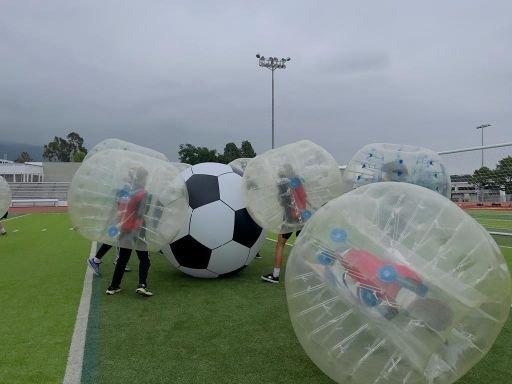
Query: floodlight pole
272	63
481	127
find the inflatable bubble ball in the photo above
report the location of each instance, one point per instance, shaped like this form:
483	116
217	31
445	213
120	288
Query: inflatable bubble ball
124	146
283	187
219	237
393	283
396	162
5	196
128	199
181	166
239	165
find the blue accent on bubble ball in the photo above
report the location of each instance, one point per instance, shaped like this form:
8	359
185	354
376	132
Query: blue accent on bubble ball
338	235
306	214
294	183
387	274
124	193
325	258
368	297
113	231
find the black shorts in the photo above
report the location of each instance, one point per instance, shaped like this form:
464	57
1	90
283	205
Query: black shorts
5	216
288	235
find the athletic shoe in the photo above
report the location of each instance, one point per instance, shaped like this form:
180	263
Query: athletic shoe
94	266
270	278
112	290
258	256
143	291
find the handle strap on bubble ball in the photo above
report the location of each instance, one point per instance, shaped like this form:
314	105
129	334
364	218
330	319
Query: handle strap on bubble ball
389	274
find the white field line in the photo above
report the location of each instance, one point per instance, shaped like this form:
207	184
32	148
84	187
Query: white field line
73	373
17	217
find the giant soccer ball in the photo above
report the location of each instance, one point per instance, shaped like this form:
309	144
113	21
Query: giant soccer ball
219	237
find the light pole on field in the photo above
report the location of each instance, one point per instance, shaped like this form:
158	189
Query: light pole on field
481	127
272	63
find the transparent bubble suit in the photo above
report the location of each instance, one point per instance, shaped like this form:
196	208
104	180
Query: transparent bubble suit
180	166
393	283
128	199
124	146
240	164
5	196
283	187
397	162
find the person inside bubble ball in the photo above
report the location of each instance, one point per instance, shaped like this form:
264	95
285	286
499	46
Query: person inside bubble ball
278	257
292	195
388	287
394	171
131	211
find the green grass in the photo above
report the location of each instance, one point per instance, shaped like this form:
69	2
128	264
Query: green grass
41	279
493	220
235	330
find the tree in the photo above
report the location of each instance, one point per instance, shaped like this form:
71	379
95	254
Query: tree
79	156
503	174
231	152
191	154
65	150
23	158
246	150
484	178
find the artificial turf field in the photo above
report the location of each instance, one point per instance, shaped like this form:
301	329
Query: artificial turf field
235	330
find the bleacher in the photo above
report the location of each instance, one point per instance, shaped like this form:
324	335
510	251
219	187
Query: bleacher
39	194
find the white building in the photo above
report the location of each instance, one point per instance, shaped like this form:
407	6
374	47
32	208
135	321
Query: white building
30	172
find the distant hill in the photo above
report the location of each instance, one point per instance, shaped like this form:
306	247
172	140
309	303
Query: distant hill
11	151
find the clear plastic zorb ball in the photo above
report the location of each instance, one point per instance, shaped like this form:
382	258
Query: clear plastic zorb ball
124	146
394	283
397	162
283	187
5	196
128	199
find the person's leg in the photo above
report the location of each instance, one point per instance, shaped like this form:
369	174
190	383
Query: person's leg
102	251
127	268
278	259
124	256
2	230
144	264
95	261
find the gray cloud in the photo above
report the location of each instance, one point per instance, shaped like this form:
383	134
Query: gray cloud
162	73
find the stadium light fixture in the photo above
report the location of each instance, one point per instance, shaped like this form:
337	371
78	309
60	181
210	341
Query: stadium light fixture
272	63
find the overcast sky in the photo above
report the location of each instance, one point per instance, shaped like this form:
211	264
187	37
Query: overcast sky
161	73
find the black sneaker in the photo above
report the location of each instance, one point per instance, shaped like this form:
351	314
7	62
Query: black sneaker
270	278
258	256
